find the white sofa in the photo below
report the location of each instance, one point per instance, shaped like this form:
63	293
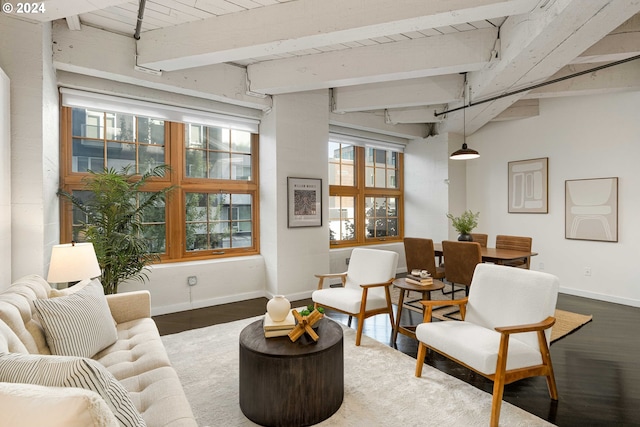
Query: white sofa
137	360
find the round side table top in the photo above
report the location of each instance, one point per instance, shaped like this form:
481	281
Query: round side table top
401	283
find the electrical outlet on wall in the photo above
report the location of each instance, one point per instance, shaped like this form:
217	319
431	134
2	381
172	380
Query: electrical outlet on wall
346	260
587	271
192	280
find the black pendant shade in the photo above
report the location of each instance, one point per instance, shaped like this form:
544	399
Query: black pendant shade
465	153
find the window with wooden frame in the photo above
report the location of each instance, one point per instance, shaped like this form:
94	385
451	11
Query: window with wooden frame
213	210
365	193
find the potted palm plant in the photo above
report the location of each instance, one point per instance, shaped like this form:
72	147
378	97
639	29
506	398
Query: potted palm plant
464	224
113	222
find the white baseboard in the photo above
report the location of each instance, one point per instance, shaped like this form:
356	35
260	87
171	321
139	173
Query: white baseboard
600	297
174	308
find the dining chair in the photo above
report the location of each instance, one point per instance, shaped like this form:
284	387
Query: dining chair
420	255
505	329
480	238
517	243
365	286
460	260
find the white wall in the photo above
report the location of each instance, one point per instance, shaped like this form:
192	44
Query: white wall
218	282
25	55
583	137
426	185
5	183
294	139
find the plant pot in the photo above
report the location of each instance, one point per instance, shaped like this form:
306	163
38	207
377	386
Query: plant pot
465	238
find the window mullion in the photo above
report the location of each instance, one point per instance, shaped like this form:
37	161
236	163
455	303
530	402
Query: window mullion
359	203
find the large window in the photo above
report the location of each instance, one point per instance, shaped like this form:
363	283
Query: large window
212	211
365	194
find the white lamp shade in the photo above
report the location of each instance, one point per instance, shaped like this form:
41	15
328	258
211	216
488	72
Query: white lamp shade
72	262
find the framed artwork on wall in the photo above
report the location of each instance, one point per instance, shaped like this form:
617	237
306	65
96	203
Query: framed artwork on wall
529	186
304	202
591	209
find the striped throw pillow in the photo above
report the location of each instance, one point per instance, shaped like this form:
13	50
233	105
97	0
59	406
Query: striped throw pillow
79	324
68	371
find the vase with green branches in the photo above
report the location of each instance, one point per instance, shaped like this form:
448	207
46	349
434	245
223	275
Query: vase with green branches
114	221
464	224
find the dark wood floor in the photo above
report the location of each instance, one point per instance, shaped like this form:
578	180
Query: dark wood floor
597	368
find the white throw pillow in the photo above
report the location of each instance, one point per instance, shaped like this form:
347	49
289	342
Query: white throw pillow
79	324
67	371
28	405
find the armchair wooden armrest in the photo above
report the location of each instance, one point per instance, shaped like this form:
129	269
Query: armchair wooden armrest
321	277
375	285
532	327
428	305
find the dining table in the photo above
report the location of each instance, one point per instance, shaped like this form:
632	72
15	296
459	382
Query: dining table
494	255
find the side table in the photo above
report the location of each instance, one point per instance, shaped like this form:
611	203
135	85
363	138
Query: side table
405	287
284	383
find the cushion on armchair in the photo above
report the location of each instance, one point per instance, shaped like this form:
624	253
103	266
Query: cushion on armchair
68	371
79	324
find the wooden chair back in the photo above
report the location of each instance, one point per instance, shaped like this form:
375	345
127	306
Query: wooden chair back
460	260
419	253
515	243
480	238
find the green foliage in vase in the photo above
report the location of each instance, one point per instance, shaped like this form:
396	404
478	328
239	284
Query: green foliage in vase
466	222
114	218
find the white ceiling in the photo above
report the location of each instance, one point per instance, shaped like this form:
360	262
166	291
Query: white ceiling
400	61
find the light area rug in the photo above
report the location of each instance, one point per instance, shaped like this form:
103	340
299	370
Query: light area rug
380	388
567	322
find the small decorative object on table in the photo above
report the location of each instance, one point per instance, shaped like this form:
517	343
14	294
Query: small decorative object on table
419	277
278	329
306	319
278	308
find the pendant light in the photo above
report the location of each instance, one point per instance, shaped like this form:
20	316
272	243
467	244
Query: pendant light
465	153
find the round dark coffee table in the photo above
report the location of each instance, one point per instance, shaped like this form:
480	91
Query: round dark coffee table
284	383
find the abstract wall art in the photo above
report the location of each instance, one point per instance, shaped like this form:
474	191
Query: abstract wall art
528	186
591	209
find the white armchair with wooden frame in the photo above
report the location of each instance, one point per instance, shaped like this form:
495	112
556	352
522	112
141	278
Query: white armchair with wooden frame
365	286
505	332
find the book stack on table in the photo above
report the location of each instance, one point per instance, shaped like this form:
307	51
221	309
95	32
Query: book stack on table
278	329
417	280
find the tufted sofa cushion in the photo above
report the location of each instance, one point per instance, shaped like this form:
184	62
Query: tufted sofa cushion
139	361
16	308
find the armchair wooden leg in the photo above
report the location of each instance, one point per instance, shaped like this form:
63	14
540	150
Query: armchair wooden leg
546	360
360	327
390	306
498	391
422	353
499	380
